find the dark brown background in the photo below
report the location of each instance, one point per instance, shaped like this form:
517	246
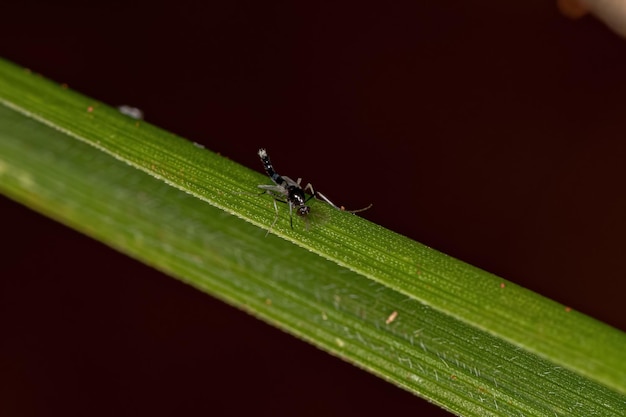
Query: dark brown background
492	132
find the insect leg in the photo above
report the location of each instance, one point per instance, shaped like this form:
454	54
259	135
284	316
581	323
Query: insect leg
275	218
319	196
322	197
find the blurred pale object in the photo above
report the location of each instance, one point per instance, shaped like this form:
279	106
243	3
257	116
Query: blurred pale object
611	12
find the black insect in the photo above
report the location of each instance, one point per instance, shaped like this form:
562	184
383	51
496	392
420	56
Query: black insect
286	190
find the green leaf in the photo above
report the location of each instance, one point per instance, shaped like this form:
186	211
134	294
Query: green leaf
449	332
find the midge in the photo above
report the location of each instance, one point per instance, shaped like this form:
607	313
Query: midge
291	192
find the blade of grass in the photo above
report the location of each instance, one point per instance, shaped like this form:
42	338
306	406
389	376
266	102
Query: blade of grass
436	346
